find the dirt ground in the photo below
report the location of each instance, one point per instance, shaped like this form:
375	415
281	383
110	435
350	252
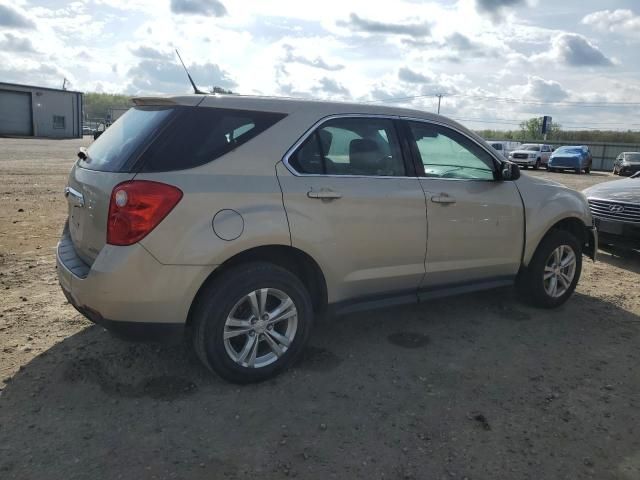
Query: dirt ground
476	387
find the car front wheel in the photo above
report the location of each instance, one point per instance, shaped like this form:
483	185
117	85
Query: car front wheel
252	322
553	272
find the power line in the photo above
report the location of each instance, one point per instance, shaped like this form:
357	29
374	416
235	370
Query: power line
515	100
565	126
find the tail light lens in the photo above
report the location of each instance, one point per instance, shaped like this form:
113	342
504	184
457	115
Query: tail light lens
136	208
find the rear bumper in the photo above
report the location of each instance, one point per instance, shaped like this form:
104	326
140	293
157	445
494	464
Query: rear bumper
127	290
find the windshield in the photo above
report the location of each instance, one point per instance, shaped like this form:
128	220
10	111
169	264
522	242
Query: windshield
574	150
531	147
111	151
632	157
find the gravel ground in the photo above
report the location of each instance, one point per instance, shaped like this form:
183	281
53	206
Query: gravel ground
476	387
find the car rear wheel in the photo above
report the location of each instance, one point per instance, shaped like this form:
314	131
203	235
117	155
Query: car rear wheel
537	165
587	170
553	272
252	322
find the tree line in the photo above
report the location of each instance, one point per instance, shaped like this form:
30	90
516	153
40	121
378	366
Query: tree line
531	130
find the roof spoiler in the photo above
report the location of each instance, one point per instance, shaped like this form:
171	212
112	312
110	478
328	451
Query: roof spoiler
139	101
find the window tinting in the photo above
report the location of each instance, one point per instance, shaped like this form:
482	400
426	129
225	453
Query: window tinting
448	154
199	135
351	146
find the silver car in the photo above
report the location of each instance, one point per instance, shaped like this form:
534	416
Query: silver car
238	219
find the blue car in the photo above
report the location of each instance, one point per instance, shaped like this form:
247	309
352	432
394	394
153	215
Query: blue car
570	158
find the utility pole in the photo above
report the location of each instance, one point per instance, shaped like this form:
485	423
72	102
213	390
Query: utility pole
439	95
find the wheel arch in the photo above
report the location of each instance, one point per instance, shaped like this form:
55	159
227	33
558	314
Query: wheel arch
298	262
573	225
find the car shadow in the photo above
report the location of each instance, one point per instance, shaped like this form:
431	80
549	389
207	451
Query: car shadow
619	257
478	374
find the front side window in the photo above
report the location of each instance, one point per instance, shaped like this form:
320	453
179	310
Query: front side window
58	122
351	146
445	153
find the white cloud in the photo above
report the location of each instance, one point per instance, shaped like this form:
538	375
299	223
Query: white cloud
619	21
574	50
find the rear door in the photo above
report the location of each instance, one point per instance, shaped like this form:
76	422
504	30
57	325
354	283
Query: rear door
475	222
545	153
355	205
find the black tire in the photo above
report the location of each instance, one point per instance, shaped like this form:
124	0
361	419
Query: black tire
530	281
587	170
537	165
578	171
217	299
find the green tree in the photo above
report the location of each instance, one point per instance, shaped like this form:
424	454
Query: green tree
531	129
97	105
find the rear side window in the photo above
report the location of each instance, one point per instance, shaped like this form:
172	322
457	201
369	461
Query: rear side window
122	141
196	136
351	146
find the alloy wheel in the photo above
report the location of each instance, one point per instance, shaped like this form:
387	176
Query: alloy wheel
260	328
559	271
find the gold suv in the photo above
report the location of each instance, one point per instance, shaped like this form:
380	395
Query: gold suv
239	218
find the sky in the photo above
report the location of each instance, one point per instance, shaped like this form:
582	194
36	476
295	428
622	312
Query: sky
496	62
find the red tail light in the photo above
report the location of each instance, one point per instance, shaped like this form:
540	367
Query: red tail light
136	208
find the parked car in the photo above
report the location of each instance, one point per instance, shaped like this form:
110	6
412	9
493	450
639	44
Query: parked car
577	158
627	163
615	207
240	218
86	130
504	148
534	155
100	129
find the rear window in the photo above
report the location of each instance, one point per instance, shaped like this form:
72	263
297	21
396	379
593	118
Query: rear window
160	139
114	149
196	136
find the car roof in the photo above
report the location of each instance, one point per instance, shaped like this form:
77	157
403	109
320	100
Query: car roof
316	109
285	105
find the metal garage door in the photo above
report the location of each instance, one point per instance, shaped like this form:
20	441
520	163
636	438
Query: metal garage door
15	113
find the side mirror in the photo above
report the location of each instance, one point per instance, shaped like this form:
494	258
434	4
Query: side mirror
510	171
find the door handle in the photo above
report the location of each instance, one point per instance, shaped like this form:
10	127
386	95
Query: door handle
324	194
443	198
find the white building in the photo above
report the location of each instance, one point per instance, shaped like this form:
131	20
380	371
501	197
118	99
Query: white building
27	111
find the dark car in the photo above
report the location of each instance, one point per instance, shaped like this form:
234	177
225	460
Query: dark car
615	207
627	163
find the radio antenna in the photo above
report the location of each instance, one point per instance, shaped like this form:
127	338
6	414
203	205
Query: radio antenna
195	88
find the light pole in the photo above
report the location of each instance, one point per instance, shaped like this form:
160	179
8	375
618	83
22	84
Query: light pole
439	95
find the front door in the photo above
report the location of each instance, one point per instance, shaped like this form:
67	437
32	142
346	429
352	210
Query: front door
355	208
475	222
